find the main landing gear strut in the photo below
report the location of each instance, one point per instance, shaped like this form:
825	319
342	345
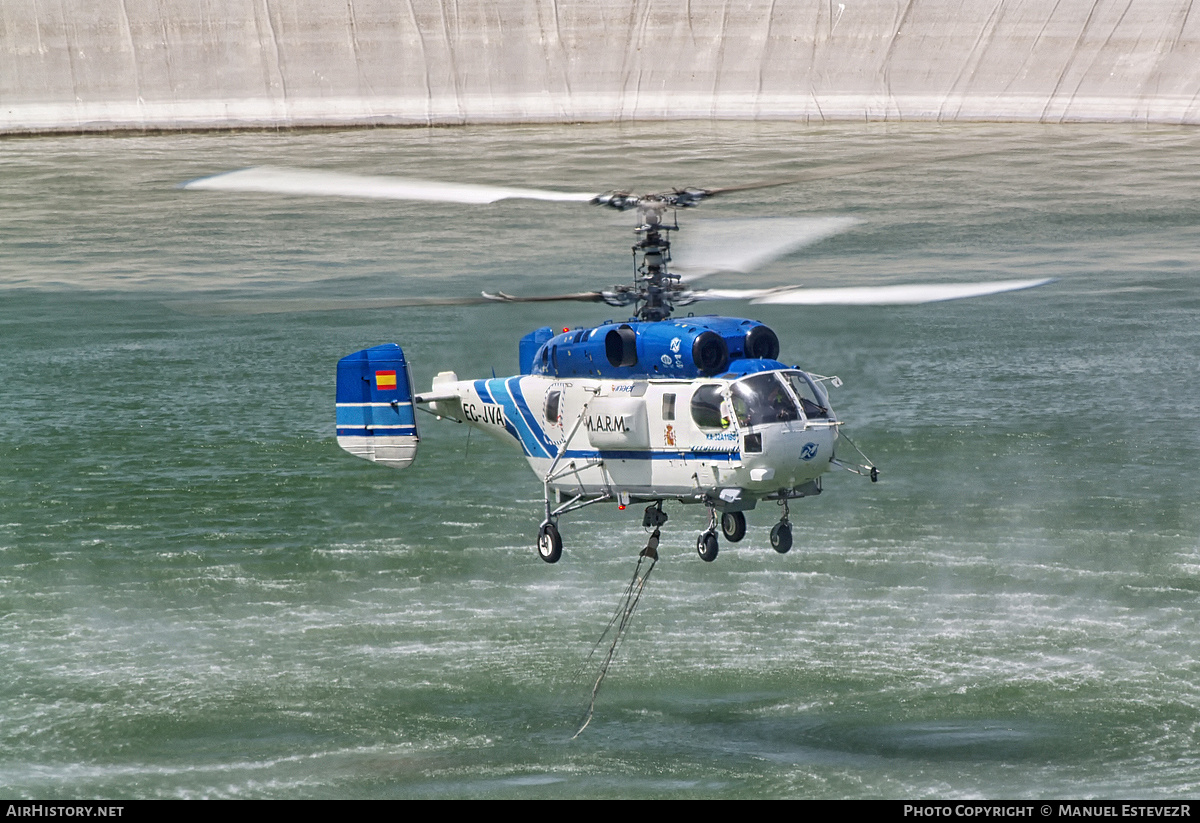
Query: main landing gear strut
732	525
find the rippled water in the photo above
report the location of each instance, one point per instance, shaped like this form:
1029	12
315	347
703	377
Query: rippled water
201	596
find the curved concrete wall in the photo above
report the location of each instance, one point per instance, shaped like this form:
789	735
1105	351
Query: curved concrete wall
100	64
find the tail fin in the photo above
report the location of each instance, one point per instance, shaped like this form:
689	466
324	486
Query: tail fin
376	418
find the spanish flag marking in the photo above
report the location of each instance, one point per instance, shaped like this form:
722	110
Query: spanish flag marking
385	380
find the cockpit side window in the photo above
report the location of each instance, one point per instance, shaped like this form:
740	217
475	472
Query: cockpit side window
668	407
706	407
812	399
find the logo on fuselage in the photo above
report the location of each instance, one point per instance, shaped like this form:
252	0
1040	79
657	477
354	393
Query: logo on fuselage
809	451
606	423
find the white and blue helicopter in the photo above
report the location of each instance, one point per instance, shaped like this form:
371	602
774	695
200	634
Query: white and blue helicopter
654	408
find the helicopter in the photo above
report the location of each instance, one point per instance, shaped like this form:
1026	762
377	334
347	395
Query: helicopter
653	408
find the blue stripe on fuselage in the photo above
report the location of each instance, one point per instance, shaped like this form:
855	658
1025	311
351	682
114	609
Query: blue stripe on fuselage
513	384
481	389
496	392
533	440
649	455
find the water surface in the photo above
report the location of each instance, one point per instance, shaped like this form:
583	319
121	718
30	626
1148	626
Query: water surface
201	596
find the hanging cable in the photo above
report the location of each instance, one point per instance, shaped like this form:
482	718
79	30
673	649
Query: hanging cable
621	619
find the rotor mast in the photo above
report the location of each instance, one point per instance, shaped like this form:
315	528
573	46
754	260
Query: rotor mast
656	285
655	290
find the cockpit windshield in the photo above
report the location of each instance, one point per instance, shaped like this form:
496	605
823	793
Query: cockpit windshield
765	398
762	398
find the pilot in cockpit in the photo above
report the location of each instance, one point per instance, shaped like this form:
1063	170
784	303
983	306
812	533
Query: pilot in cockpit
781	406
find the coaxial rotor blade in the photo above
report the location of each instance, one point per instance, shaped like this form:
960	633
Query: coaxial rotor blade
901	295
745	244
337	184
287	305
578	297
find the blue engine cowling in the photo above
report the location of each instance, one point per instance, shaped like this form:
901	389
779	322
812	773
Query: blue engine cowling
683	348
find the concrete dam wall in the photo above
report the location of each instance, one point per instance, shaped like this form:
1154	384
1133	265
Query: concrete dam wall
68	65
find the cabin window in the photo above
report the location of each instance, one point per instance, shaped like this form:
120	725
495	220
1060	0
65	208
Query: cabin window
553	411
668	407
706	407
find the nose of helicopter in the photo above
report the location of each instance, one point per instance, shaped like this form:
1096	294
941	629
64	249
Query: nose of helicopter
785	454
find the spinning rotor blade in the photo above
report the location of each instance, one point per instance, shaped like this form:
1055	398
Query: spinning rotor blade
288	305
577	297
337	184
908	294
745	244
851	296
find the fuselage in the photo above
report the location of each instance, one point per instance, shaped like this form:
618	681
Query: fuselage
727	440
696	409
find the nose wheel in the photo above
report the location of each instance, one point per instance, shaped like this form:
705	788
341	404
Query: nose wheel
781	537
781	532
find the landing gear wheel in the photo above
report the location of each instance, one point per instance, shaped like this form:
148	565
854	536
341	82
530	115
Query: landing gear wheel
781	537
733	526
706	546
549	543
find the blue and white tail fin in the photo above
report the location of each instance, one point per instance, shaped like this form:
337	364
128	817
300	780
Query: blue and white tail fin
376	418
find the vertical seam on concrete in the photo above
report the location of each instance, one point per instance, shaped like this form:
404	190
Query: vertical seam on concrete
887	61
563	59
1067	67
412	15
363	79
452	63
137	79
974	58
279	68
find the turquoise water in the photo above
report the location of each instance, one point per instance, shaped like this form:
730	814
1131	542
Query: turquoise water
202	596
